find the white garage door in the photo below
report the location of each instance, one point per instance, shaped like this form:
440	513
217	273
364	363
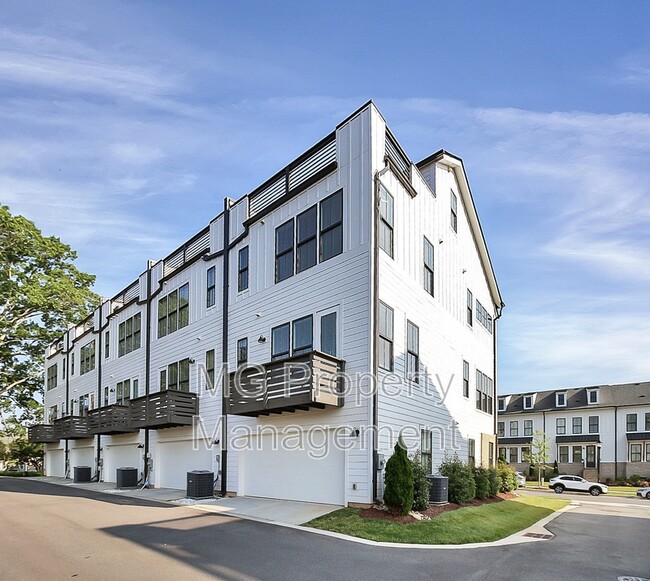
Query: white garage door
121	456
176	459
55	463
294	474
82	457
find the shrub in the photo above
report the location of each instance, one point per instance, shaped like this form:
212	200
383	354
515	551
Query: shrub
634	479
482	480
421	484
398	480
508	479
461	486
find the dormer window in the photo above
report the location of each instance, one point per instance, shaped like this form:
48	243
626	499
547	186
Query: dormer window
502	404
560	400
528	402
592	396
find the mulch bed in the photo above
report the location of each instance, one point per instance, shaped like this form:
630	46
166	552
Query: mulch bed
432	511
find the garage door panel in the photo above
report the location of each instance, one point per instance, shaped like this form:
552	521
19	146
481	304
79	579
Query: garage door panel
55	463
176	459
120	456
82	457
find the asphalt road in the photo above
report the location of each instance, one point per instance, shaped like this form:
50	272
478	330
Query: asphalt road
57	532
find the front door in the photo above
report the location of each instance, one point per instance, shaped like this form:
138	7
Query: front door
591	457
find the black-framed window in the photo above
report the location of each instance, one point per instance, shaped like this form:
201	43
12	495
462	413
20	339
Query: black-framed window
560	426
173	311
303	335
635	452
210	364
331	226
284	251
465	378
386	221
328	334
528	402
594	426
242	351
72	364
242	269
577	454
470	308
52	376
630	423
501	429
502	404
412	352
514	429
123	392
592	396
528	427
136	388
483	317
471	452
107	345
426	450
87	358
178	375
647	421
306	243
454	211
280	341
560	400
129	335
576	424
563	454
514	455
484	395
63	367
386	317
428	267
211	287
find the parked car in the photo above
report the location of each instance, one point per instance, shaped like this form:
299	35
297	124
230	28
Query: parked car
575	483
644	492
521	479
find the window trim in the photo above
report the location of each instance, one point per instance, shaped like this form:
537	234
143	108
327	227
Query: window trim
560	423
386	220
559	395
323	230
528	427
466	379
628	423
87	358
530	405
211	287
470	308
429	277
513	428
307	347
453	204
388	336
243	271
412	352
242	352
290	250
129	340
282	354
576	425
311	239
591	392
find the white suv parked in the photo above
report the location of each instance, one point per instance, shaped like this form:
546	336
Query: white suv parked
562	483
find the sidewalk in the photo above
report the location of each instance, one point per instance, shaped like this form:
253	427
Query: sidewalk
159	494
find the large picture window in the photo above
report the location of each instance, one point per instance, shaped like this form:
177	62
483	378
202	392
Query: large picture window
52	376
173	311
87	358
129	335
484	389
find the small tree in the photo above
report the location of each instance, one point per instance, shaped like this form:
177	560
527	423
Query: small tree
24	452
420	484
494	480
398	480
539	454
461	486
482	479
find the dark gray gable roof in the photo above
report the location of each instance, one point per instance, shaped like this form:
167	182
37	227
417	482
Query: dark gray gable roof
625	394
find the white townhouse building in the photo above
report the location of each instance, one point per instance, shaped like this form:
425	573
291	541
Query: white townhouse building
355	291
599	432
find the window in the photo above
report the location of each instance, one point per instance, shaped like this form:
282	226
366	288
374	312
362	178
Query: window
471	452
136	388
502	454
242	269
514	429
303	335
502	404
52	414
84	405
107	345
71	408
514	455
211	287
178	375
209	367
577	454
52	375
72	364
630	422
593	425
528	427
525	454
484	389
428	267
284	251
129	335
331	226
63	367
563	454
306	239
123	392
412	351
528	402
470	308
576	426
173	311
491	453
385	337
635	452
560	426
647	452
647	421
454	212
328	334
426	447
501	429
280	346
242	352
163	380
560	400
386	219
592	396
106	391
87	356
483	317
465	378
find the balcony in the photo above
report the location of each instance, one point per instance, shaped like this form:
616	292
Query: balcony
42	434
72	428
164	409
110	420
312	380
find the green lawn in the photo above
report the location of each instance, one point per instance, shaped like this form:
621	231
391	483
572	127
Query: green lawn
472	524
19	473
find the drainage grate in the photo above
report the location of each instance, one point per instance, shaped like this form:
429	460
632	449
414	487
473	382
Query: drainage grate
538	535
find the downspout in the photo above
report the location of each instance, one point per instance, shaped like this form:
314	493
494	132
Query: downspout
495	398
99	388
615	442
224	344
66	461
147	368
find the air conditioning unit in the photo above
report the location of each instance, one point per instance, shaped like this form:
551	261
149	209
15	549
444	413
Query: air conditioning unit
81	474
127	477
200	484
438	490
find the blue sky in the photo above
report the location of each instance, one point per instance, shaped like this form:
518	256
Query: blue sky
124	124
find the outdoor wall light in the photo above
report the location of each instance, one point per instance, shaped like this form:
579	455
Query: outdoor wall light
354	433
192	360
140	445
262	339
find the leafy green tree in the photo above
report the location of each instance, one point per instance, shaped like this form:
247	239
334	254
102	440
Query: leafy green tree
41	291
421	483
22	451
398	480
539	455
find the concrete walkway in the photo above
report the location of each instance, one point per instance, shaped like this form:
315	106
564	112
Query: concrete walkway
159	494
